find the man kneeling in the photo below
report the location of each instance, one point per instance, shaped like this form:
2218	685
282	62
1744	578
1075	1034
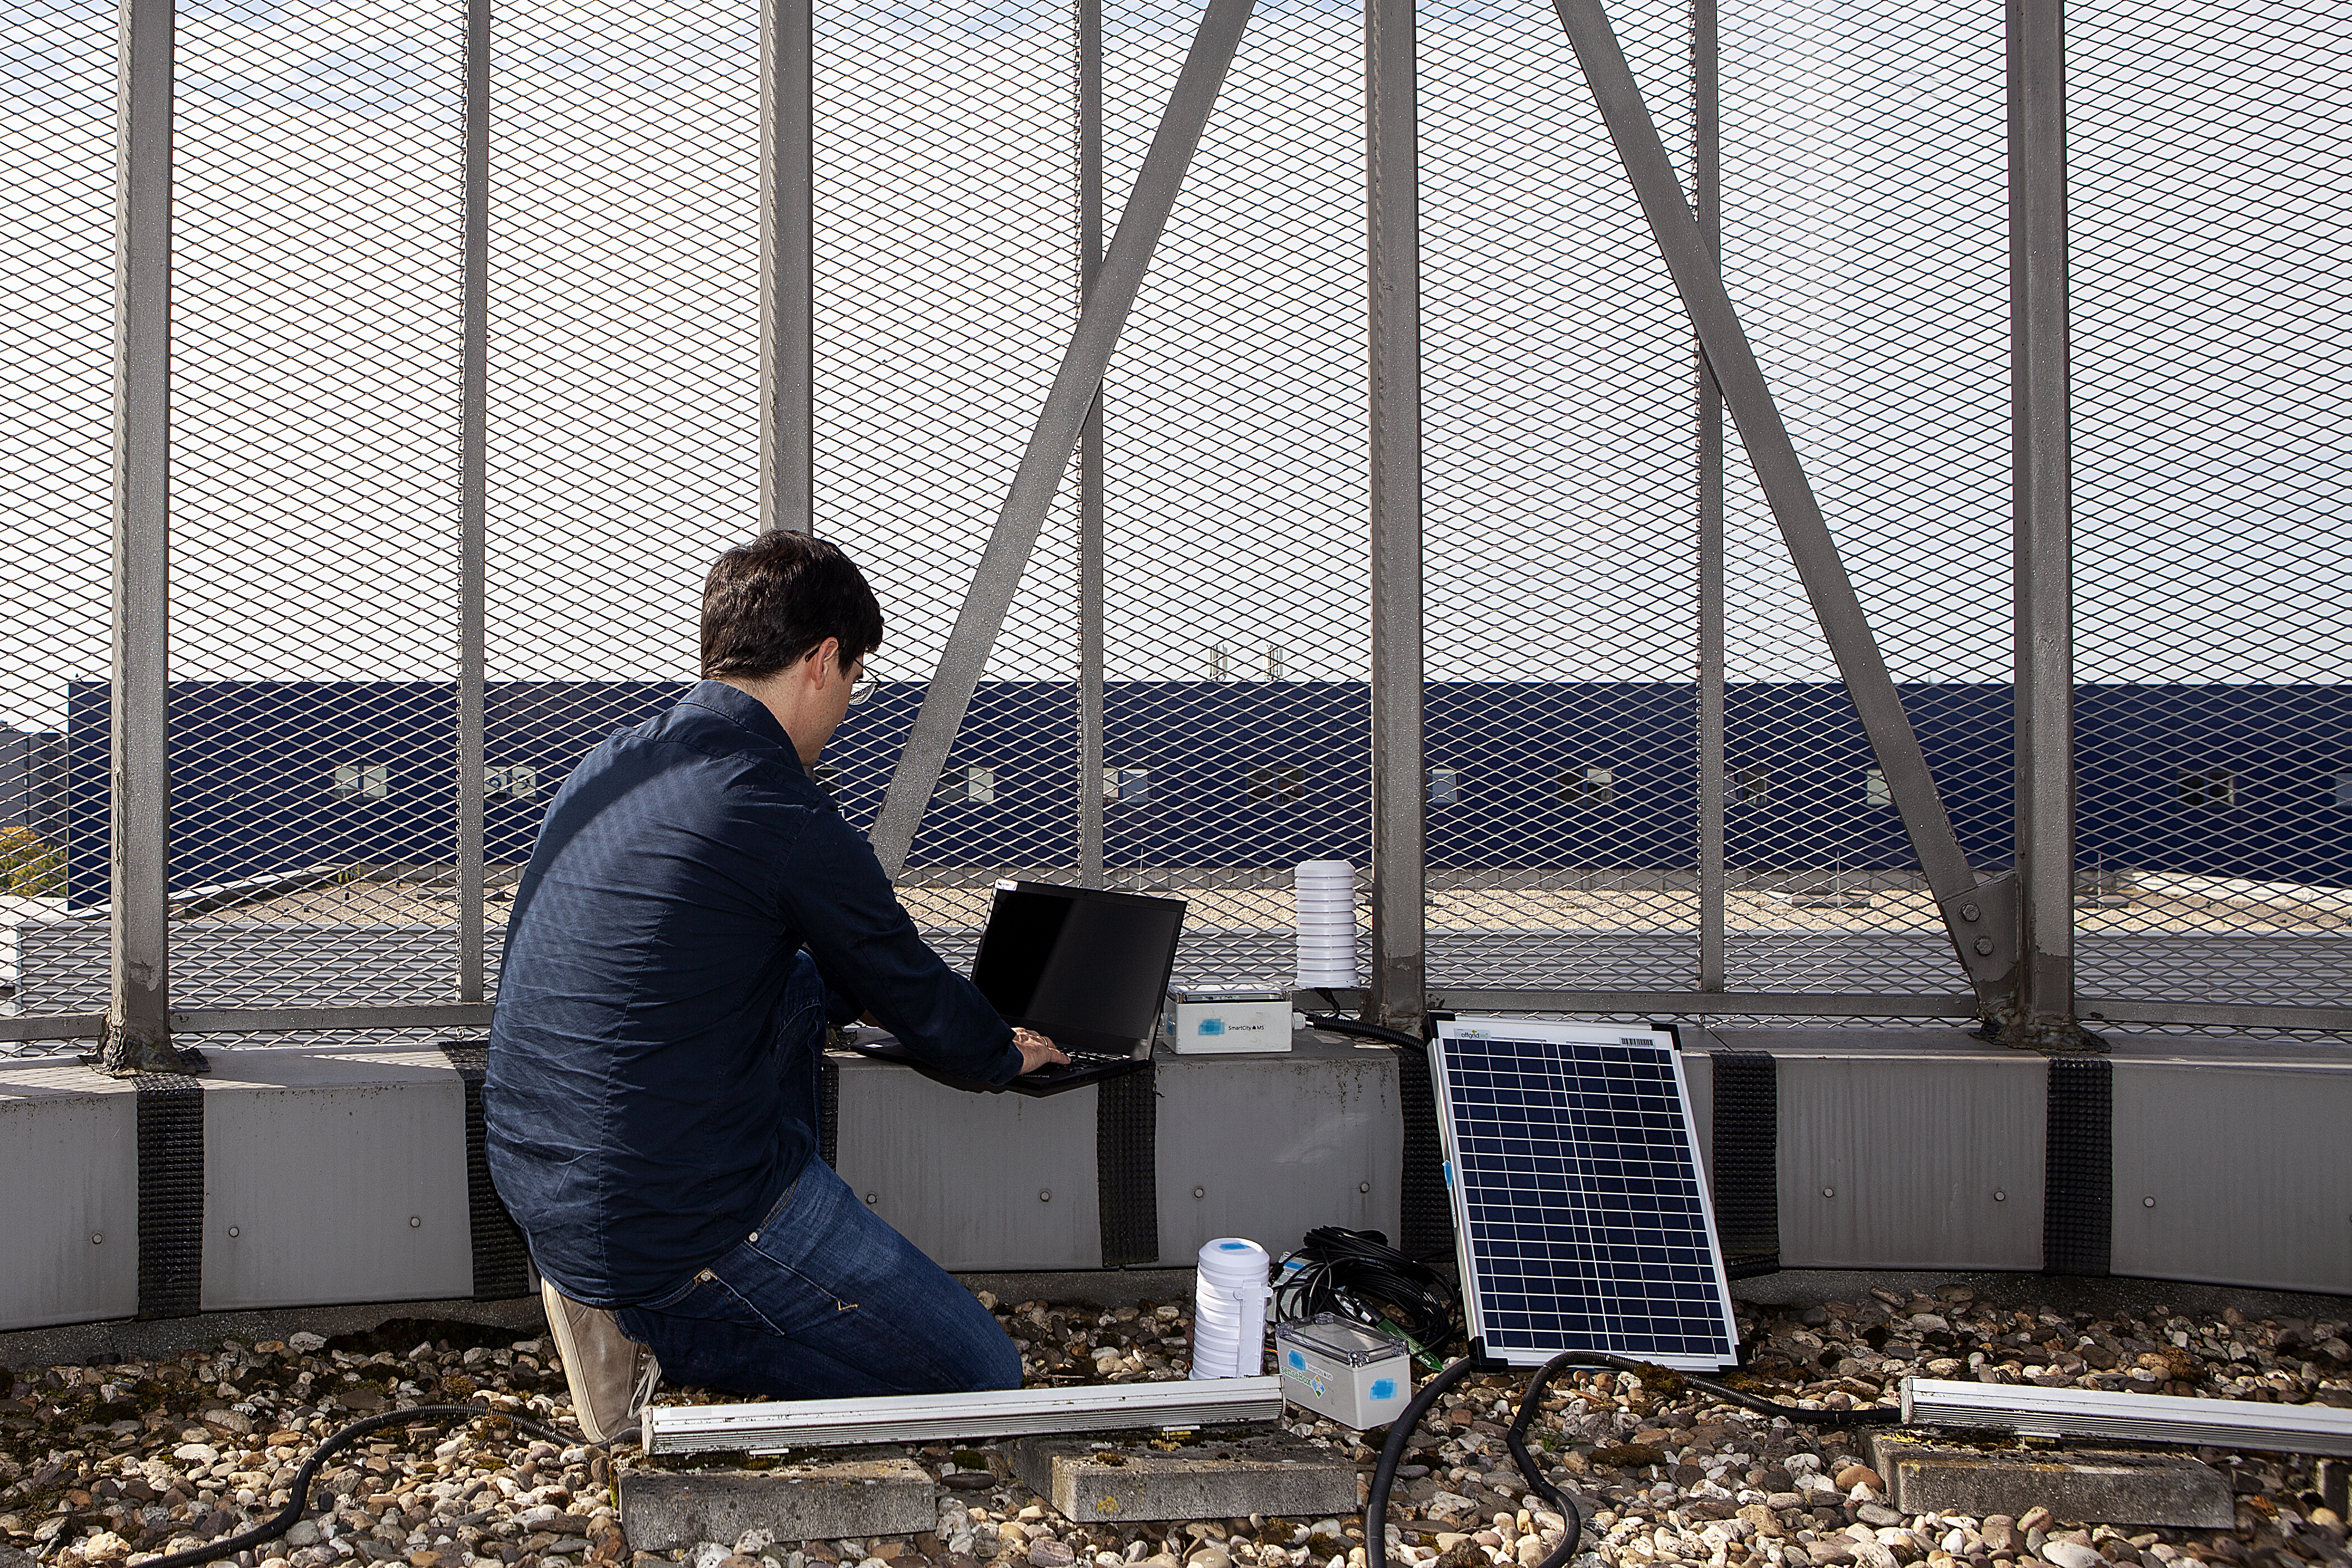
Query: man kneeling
694	913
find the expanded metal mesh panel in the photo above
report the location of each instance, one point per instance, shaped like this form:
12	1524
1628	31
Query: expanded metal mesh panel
624	418
1560	498
946	279
1865	243
1235	527
56	366
316	520
311	710
2212	458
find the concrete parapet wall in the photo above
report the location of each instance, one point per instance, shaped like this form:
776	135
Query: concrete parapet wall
331	1175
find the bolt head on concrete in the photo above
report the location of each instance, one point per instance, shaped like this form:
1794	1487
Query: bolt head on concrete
2088	1486
1217	1478
661	1510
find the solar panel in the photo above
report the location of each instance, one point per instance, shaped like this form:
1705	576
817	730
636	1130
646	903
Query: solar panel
1581	1210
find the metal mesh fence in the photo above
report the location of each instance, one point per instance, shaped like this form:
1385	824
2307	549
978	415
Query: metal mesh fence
1864	241
946	284
2215	726
624	424
1234	524
1560	497
313	629
316	526
56	366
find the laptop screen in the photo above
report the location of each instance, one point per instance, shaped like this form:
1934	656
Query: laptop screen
1078	962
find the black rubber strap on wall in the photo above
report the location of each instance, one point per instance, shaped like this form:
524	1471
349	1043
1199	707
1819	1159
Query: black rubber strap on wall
828	1111
501	1258
1127	1166
1425	1221
170	1195
2078	1194
1747	1143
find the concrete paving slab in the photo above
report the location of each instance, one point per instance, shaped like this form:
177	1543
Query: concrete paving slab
2079	1486
1114	1481
661	1510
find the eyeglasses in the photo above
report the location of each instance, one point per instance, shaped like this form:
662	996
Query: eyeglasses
863	687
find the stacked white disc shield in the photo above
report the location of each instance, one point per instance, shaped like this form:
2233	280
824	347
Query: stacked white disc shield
1326	892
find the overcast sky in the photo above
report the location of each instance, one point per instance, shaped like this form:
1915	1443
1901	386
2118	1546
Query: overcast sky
317	350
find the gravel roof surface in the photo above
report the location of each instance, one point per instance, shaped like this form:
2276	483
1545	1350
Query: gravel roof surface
102	1464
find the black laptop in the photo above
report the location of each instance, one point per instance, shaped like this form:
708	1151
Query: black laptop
1085	967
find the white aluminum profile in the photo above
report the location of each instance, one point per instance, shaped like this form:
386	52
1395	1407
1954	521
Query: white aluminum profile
923	1418
2035	1412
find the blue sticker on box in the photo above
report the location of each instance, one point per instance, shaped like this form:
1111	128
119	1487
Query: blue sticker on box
1297	1360
1213	1026
1382	1388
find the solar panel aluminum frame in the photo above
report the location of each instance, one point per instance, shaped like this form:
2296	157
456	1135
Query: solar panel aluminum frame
1665	1037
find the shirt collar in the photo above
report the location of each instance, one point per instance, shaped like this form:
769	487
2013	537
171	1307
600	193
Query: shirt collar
745	710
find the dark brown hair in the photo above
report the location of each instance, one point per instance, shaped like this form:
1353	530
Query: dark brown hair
770	604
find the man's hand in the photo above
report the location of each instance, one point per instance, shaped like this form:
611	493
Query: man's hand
1037	1051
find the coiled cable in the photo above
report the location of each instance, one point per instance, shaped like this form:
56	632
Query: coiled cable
1356	1274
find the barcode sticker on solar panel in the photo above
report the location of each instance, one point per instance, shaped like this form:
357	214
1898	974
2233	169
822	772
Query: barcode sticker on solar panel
1579	1204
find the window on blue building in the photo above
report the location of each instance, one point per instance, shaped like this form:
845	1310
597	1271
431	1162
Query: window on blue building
1750	786
979	786
1275	785
1127	786
1874	788
1588	786
510	781
361	781
2205	788
1445	787
2343	789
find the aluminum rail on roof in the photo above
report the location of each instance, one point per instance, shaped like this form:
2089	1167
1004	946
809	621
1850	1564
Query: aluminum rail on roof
919	1418
2133	1417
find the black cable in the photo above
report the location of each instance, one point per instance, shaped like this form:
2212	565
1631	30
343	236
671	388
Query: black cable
1376	1500
1339	1023
1355	1274
293	1512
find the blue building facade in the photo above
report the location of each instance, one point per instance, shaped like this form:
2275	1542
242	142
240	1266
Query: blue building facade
2251	782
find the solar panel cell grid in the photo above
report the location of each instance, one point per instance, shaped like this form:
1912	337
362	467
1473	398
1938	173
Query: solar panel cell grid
1578	1195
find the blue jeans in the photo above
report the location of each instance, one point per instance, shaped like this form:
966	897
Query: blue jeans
824	1301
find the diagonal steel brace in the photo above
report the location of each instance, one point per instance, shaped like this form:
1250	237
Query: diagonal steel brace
1979	919
1101	319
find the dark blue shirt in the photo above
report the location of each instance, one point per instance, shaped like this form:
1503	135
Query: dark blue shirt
638	1119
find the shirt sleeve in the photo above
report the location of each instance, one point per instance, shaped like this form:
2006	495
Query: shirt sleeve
834	893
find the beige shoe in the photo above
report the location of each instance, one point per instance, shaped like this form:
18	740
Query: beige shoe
610	1375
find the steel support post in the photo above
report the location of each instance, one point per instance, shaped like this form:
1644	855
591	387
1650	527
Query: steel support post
138	1028
787	268
2042	486
1400	788
473	576
1706	164
1089	23
1983	938
1054	435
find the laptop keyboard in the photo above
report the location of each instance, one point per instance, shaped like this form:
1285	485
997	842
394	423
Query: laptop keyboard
1079	1060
